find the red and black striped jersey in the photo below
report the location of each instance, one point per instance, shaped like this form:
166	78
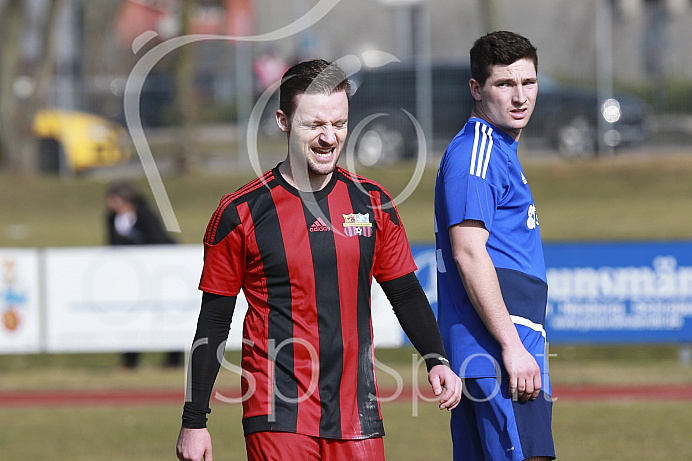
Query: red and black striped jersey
305	262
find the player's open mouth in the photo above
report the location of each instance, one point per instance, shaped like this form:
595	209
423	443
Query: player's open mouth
323	153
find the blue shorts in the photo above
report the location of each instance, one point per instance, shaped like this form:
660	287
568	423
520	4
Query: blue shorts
488	425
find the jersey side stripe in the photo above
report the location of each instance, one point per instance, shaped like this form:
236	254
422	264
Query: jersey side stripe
489	150
474	151
481	151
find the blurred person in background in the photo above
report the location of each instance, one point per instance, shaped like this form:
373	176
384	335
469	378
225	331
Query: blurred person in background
130	221
269	68
303	242
492	285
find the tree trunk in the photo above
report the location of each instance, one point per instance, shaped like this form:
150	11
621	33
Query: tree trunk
186	104
23	83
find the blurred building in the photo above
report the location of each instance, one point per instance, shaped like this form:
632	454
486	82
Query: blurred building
639	41
643	31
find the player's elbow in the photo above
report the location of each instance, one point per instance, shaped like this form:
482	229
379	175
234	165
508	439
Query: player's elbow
465	257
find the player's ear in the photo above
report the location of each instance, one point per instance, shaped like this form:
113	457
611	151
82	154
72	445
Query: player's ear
475	89
282	121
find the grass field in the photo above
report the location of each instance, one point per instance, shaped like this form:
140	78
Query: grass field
626	197
583	431
635	197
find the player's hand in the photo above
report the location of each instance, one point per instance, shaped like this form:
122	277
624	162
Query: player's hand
194	445
524	374
446	385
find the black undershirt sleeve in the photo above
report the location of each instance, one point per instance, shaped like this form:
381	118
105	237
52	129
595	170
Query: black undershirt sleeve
213	325
416	317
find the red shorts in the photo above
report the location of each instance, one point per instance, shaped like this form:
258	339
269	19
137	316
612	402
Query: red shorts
286	446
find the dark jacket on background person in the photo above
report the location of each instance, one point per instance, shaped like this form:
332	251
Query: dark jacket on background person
147	229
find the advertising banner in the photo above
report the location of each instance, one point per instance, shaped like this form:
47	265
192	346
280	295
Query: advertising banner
619	292
20	315
607	292
105	299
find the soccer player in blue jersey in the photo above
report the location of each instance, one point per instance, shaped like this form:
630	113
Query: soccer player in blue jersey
492	288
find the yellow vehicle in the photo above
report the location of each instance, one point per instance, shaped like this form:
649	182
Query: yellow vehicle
72	141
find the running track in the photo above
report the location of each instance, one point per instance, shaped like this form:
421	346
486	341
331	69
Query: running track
566	393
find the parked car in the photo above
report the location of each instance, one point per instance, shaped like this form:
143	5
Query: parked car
564	118
78	141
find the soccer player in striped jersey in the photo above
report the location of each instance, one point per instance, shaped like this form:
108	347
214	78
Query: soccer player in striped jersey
492	288
303	242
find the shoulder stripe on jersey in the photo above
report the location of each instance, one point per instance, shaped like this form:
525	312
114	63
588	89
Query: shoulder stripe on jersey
252	185
474	150
488	151
351	176
480	155
210	235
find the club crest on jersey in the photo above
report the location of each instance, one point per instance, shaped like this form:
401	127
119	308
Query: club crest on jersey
356	224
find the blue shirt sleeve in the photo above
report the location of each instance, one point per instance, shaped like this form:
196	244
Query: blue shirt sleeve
468	177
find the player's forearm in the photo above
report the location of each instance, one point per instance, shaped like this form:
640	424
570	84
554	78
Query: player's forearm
482	286
416	317
213	326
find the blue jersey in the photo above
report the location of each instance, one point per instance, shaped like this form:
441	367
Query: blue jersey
480	179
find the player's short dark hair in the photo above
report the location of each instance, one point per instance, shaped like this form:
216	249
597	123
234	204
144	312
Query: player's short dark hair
313	77
499	48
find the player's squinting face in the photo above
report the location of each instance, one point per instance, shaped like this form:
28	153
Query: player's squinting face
318	130
508	97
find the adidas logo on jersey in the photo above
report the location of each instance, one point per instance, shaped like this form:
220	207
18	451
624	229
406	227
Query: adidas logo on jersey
320	226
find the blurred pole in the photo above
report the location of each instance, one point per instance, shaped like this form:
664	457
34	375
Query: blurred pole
412	38
403	21
69	74
70	57
654	46
241	22
245	99
424	91
604	69
490	15
405	32
186	101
